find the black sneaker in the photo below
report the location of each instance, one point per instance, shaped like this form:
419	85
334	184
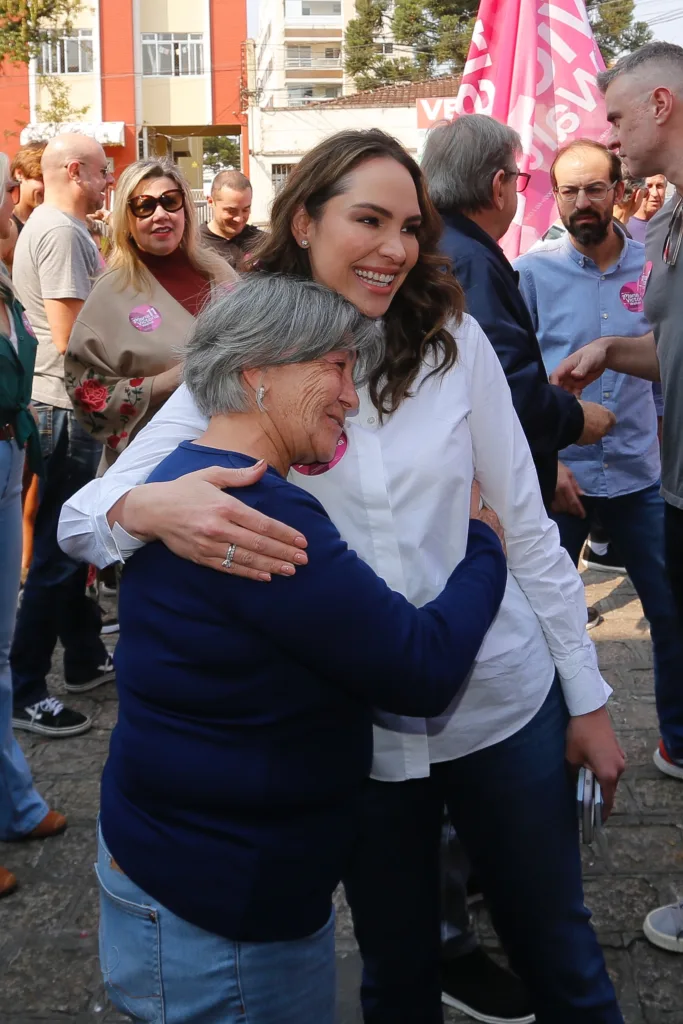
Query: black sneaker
110	623
594	618
481	989
104	674
50	718
608	562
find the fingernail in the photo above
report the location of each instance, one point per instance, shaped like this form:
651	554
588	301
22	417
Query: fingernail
300	542
288	570
257	465
301	559
264	577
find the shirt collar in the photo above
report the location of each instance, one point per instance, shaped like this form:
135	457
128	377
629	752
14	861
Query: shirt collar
586	261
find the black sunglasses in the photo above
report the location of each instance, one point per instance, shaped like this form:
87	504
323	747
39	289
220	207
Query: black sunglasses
144	206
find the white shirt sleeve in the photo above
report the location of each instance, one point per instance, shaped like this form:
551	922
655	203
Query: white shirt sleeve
509	485
84	532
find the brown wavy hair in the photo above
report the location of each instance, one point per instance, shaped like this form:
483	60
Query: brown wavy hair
416	321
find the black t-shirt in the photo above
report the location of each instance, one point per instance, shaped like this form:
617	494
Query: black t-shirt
19	224
232	249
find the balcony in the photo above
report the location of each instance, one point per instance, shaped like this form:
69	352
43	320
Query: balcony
313	63
313	14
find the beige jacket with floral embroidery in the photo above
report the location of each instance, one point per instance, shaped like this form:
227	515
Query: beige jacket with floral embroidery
120	340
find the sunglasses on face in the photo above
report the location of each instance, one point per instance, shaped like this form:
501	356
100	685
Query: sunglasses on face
144	206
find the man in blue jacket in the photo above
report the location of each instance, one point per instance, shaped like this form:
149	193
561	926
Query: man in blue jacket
471	170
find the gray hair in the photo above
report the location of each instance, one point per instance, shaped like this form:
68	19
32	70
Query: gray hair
462	157
268	320
667	54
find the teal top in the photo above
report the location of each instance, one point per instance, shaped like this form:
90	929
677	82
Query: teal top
16	379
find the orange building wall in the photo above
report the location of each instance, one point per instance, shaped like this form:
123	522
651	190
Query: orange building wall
14	105
118	76
228	33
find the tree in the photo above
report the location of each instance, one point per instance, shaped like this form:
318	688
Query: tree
26	24
59	108
439	33
221	152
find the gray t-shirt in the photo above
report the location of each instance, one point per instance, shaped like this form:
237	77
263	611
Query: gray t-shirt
55	258
664	310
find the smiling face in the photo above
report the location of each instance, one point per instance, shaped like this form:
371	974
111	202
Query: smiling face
161	233
231	210
306	404
364	243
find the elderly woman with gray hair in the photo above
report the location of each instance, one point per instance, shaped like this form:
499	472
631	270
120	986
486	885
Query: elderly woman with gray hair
244	736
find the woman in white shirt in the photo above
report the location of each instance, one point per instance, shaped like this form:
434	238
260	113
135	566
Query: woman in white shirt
355	216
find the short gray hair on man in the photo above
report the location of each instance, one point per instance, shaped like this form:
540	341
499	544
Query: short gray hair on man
462	157
664	55
267	320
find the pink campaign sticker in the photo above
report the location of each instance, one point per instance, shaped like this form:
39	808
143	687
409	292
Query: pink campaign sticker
27	325
632	295
145	318
316	468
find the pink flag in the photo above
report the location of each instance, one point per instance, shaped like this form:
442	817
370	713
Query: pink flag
532	65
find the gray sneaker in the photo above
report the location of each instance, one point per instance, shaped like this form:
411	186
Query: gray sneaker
664	927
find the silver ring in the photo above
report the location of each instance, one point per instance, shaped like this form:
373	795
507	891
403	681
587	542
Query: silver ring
229	557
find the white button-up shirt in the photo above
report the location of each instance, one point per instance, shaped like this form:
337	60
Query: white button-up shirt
400	496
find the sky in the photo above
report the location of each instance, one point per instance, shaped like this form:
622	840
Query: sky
646	10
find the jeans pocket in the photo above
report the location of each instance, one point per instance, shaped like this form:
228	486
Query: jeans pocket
130	954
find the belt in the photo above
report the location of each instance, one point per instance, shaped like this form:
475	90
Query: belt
7	432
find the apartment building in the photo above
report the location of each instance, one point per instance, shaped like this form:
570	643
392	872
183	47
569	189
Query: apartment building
300	50
147	77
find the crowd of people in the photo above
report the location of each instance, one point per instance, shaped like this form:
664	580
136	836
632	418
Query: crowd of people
349	465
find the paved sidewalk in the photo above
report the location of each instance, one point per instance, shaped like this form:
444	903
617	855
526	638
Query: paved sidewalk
48	930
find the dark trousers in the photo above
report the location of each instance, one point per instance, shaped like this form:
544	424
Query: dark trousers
513	807
635	523
54	603
673	532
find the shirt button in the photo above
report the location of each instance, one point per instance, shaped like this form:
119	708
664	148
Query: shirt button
602	278
608	394
371	419
605	465
605	315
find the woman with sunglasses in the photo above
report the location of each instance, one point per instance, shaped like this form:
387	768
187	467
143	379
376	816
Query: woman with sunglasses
122	362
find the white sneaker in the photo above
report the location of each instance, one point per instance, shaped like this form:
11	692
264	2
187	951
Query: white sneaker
664	927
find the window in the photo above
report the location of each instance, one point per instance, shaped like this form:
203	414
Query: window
298	57
332	53
172	53
385	48
67	55
299	96
279	174
320	8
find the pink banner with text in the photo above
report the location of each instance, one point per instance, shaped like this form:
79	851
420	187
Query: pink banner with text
533	65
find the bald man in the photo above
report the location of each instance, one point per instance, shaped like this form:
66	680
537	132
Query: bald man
55	264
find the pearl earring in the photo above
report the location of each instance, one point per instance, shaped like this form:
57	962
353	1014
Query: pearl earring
259	398
303	243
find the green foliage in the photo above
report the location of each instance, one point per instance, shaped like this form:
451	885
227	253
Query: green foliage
59	108
26	24
439	33
221	152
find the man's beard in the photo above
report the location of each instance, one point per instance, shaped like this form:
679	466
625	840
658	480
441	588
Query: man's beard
589	232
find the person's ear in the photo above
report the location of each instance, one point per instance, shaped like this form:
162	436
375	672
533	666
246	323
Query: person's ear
497	194
619	189
301	226
209	200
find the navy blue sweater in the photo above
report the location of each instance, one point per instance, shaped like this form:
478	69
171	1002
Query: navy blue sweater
551	418
244	728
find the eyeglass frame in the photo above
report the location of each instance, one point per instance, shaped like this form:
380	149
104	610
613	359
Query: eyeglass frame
157	203
519	174
582	188
676	216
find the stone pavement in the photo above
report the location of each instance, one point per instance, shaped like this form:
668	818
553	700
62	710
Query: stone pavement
48	930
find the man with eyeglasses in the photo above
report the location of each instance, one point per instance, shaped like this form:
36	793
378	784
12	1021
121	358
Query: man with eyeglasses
592	282
644	98
471	169
55	264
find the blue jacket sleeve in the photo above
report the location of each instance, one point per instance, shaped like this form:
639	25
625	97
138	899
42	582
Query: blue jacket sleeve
343	622
551	418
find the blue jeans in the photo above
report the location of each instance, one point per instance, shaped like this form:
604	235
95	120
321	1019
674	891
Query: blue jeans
54	603
635	524
21	807
513	807
159	968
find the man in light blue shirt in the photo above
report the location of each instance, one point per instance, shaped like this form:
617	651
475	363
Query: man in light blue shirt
589	284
